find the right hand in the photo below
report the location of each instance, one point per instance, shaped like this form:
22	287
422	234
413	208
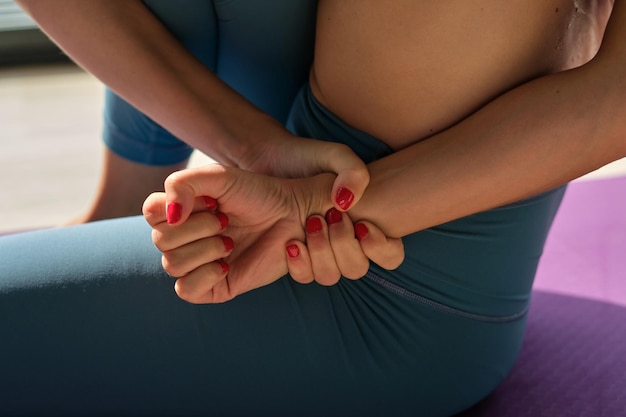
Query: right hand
264	213
289	156
336	247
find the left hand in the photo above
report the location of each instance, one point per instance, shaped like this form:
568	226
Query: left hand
263	214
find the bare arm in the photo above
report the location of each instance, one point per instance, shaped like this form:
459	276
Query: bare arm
129	50
537	136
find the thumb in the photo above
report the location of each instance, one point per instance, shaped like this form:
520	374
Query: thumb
349	187
182	189
352	175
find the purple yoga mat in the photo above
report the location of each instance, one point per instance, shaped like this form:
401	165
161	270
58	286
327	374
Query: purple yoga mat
585	254
573	361
572	364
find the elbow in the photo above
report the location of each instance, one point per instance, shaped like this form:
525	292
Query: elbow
34	8
29	6
24	4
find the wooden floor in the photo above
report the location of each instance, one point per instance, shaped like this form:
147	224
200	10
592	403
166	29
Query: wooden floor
50	148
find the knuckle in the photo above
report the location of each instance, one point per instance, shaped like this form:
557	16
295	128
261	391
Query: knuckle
301	278
174	180
336	149
159	239
392	261
172	265
148	208
187	295
329	279
356	271
362	175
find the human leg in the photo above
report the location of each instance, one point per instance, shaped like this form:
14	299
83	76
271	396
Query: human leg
91	326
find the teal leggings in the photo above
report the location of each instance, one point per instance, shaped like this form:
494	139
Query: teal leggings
90	324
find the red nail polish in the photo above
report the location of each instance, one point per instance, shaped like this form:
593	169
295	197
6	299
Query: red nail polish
360	230
174	212
293	251
313	225
210	203
223	219
333	216
223	265
229	244
344	198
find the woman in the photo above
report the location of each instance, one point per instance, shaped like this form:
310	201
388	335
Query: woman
431	338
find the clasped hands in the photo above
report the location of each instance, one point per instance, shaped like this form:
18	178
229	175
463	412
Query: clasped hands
224	231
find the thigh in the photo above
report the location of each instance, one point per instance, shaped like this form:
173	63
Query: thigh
91	325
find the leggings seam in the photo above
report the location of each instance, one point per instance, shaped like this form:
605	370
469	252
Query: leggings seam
432	304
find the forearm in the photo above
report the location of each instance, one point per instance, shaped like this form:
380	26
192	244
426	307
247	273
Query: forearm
531	139
128	49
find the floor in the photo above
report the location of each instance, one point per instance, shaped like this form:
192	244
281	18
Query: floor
50	159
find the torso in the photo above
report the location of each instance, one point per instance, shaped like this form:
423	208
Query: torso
403	70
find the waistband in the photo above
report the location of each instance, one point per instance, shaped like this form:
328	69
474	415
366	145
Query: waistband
309	118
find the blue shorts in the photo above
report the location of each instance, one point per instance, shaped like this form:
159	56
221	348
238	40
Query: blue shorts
90	324
262	50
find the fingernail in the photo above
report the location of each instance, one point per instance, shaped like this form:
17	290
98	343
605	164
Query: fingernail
210	203
223	219
223	265
293	251
344	198
313	225
229	244
333	216
174	212
360	230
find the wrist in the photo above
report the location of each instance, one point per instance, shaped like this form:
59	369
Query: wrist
260	144
312	194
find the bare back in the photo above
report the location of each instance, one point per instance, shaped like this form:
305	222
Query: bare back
405	69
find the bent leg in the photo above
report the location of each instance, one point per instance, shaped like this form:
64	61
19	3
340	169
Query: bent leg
91	325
